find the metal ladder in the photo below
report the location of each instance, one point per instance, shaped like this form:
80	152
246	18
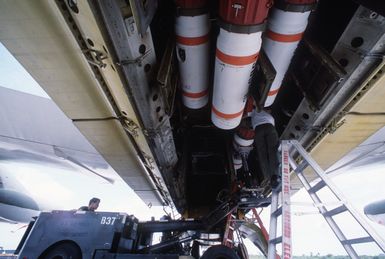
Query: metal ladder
324	181
281	209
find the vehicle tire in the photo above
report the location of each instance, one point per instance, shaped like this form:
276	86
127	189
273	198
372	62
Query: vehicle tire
62	251
195	250
220	252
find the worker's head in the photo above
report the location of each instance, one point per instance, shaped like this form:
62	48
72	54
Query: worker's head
93	204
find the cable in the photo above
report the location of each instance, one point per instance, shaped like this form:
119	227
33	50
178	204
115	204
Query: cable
99	119
43	143
366	113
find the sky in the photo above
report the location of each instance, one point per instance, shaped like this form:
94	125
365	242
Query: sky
311	234
14	76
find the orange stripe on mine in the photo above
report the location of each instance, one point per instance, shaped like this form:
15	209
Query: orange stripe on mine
192	41
284	37
237	60
273	92
225	115
195	95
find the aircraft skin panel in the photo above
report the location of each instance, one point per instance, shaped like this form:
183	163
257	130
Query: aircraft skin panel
50	53
355	129
376	211
115	151
147	196
52	58
17	214
45	116
380	219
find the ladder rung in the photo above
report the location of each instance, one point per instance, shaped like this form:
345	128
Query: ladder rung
317	187
357	240
276	240
302	166
335	211
277	212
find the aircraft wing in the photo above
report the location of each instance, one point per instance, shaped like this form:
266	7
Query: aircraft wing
96	103
369	152
44	135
